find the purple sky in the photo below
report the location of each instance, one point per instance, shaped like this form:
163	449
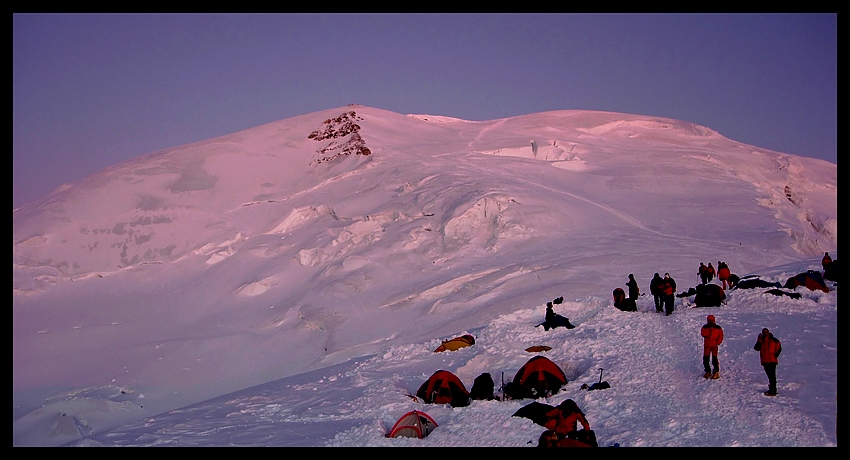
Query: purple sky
92	90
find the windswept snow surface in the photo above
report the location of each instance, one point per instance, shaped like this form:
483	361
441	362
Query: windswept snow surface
269	288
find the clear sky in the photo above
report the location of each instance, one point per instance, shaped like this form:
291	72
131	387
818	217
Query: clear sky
92	90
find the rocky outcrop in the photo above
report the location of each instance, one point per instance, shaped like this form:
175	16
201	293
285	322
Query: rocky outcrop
344	128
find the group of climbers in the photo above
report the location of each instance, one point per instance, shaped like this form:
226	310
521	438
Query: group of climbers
768	346
707	294
563	420
662	290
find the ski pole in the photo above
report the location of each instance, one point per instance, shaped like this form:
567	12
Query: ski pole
600	374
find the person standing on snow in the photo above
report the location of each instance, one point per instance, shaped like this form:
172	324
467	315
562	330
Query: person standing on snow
711	272
634	291
825	261
723	274
712	335
668	289
655	290
769	349
703	273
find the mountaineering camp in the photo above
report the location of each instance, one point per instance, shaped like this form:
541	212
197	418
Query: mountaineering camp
540	378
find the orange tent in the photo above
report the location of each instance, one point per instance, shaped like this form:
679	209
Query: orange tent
456	343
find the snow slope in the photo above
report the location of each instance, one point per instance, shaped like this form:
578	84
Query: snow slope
329	253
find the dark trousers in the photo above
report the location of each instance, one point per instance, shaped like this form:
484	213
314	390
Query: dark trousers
714	362
668	303
659	302
770	370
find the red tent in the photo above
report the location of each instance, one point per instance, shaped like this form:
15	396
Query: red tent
538	377
443	387
413	424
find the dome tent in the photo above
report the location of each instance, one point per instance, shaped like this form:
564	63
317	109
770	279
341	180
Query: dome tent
443	387
414	424
456	343
709	295
810	279
537	378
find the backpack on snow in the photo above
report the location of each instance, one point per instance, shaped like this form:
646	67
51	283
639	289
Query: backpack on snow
482	387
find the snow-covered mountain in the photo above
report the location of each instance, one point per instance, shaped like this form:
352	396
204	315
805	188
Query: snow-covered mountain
299	245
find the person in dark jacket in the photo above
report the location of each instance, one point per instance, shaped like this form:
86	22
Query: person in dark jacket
634	291
623	303
769	349
554	320
703	273
712	335
655	290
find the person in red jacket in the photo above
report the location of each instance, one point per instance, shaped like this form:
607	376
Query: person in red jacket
723	274
769	349
712	335
547	438
826	260
667	287
564	419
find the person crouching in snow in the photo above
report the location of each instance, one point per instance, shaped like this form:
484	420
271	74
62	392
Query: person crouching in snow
623	303
564	419
548	438
712	338
554	320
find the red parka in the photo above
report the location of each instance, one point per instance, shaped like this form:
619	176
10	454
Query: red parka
768	347
563	424
712	336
